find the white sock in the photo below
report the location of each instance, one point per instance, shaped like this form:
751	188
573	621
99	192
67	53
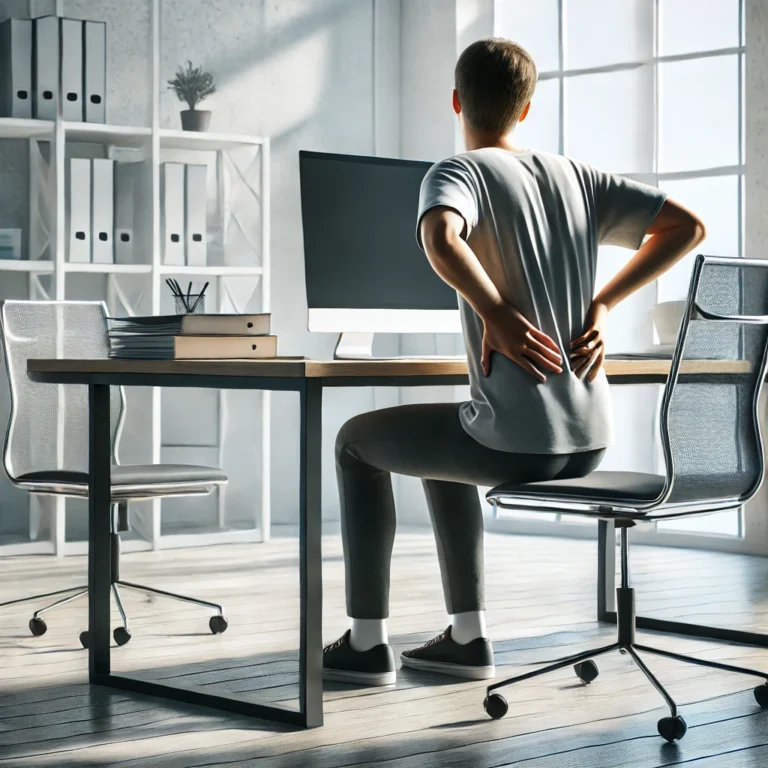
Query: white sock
468	626
368	633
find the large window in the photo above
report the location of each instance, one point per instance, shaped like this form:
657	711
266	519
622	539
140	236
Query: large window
652	89
648	88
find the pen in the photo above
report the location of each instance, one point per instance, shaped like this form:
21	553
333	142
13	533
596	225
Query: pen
199	298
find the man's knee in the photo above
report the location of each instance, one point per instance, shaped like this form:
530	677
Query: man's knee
358	428
347	435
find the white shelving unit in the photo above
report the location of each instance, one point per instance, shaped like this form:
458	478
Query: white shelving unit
50	143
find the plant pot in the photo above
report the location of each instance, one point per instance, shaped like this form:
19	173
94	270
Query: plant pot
195	119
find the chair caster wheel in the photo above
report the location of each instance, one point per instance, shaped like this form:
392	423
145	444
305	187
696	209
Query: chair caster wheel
218	624
586	671
37	626
84	636
121	635
672	728
496	706
761	695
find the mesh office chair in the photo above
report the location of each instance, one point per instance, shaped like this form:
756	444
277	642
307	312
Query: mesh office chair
46	445
713	453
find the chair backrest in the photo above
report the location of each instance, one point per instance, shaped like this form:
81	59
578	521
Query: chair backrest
48	424
710	425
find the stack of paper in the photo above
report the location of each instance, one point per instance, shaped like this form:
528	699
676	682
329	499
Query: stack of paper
192	337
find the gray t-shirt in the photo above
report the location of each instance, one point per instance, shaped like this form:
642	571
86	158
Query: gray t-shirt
534	220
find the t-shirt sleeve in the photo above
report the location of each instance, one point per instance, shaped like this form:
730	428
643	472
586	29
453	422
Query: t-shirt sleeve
625	209
448	183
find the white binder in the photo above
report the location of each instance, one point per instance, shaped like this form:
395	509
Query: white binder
16	68
72	69
95	71
195	199
172	212
78	209
127	180
102	211
46	67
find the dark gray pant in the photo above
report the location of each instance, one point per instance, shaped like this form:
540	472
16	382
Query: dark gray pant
425	441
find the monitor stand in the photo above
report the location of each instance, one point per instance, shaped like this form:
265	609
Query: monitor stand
354	346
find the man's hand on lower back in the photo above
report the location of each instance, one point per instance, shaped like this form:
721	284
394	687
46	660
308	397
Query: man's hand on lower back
507	332
588	350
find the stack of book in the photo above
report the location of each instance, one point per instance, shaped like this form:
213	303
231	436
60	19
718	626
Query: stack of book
192	337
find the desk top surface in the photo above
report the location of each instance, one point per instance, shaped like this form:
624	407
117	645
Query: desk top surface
327	369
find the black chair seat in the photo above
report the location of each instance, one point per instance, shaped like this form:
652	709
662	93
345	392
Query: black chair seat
134	475
605	487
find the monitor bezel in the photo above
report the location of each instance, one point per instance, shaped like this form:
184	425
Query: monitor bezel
356	320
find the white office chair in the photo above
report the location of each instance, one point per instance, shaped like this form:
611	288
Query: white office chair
46	445
710	432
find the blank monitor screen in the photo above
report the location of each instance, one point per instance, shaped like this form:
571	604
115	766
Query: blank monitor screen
360	250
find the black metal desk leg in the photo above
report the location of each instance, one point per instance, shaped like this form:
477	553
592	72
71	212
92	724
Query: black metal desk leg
606	569
310	546
99	510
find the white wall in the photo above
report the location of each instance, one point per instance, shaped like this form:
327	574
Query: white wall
756	188
433	33
358	76
301	72
428	34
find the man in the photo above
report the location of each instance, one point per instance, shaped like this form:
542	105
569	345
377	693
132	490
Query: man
515	232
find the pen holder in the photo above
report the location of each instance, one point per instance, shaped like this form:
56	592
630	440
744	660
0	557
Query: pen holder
181	309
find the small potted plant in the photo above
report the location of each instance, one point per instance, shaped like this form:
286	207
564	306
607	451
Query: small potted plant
192	85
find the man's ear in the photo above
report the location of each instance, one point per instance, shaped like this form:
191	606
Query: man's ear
524	113
456	102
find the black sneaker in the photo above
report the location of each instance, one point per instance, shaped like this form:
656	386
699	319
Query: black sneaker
341	662
444	655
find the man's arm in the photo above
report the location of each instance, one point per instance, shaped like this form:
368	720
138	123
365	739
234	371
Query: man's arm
506	331
674	232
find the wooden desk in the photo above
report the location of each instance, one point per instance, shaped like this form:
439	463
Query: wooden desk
343	372
307	378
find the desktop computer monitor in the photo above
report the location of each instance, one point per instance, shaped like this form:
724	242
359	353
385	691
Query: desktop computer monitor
365	272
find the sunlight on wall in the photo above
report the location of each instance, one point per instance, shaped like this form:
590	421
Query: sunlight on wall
288	68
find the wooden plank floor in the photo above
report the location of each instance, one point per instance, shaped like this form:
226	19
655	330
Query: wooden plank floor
541	594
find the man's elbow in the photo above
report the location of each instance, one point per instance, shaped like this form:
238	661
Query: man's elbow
693	228
674	217
698	230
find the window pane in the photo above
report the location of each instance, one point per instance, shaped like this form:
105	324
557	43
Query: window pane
688	26
699	111
635	426
723	523
609	119
521	514
715	201
630	328
541	129
599	32
532	25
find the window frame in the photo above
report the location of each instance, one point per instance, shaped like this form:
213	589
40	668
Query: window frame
565	525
